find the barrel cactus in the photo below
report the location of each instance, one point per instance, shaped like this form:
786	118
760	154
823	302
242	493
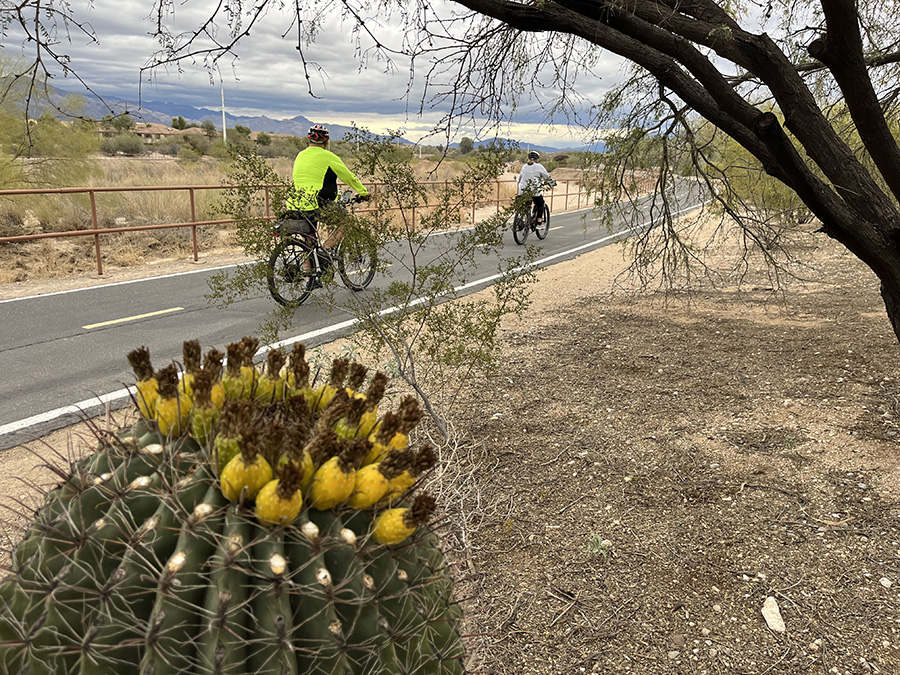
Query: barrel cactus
217	534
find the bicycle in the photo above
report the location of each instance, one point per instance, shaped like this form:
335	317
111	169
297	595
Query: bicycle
298	262
524	222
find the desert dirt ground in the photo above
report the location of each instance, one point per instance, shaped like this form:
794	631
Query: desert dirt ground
647	472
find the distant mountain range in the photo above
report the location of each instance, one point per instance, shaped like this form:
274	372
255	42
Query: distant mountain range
163	112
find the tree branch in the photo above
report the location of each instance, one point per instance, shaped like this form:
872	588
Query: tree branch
842	52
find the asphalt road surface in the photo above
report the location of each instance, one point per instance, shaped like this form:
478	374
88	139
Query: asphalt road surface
62	355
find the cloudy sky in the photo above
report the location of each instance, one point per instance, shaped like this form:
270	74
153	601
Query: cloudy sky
267	77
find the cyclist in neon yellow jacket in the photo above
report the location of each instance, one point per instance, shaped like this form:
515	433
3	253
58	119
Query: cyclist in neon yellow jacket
316	171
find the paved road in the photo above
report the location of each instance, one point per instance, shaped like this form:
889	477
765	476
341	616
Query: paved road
63	354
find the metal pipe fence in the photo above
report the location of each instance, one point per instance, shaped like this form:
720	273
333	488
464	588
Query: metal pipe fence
561	194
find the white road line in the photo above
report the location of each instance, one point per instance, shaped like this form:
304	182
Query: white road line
79	407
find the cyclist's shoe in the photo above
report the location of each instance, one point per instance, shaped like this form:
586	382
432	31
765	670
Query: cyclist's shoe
316	283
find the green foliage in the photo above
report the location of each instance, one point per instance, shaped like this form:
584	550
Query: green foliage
209	128
43	152
220	150
120	123
282	146
598	546
262	138
199	144
188	154
126	144
179	123
745	187
466	145
242	130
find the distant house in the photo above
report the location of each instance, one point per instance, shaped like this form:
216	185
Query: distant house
152	133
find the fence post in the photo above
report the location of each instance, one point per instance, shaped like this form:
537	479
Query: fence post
96	236
194	227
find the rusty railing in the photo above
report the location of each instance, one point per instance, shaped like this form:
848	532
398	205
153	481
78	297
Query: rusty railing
96	231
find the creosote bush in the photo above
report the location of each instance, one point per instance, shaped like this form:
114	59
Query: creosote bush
250	522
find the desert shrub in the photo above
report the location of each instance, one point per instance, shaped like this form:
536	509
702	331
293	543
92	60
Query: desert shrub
126	144
200	144
172	148
188	155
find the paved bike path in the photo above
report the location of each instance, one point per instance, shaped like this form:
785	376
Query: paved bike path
63	354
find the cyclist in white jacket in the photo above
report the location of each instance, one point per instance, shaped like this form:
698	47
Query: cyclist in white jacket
532	178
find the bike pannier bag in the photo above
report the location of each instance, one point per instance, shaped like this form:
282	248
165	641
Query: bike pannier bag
296	226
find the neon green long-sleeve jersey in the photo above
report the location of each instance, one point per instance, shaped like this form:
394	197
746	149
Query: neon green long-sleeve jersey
316	171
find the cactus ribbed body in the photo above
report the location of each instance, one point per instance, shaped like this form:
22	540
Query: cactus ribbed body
144	560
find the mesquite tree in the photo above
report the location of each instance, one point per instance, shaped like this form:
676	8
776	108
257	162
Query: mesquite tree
781	100
808	88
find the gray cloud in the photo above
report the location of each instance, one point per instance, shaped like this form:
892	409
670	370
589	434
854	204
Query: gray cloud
267	75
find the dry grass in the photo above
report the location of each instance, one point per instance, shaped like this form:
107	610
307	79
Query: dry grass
44	259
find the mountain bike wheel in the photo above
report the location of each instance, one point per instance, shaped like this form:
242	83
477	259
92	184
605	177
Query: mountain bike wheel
291	274
356	265
520	229
541	229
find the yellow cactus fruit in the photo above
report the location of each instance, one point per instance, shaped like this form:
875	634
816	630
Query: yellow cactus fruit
235	418
173	406
393	526
246	474
280	501
249	375
309	470
348	427
298	370
337	408
271	386
321	396
388	428
301	417
424	461
373	481
147	386
213	363
334	481
374	394
303	461
190	357
204	415
232	381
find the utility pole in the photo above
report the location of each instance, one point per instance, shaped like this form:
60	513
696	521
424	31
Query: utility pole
224	138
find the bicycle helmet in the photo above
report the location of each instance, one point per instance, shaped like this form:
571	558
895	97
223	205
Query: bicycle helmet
534	156
318	133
